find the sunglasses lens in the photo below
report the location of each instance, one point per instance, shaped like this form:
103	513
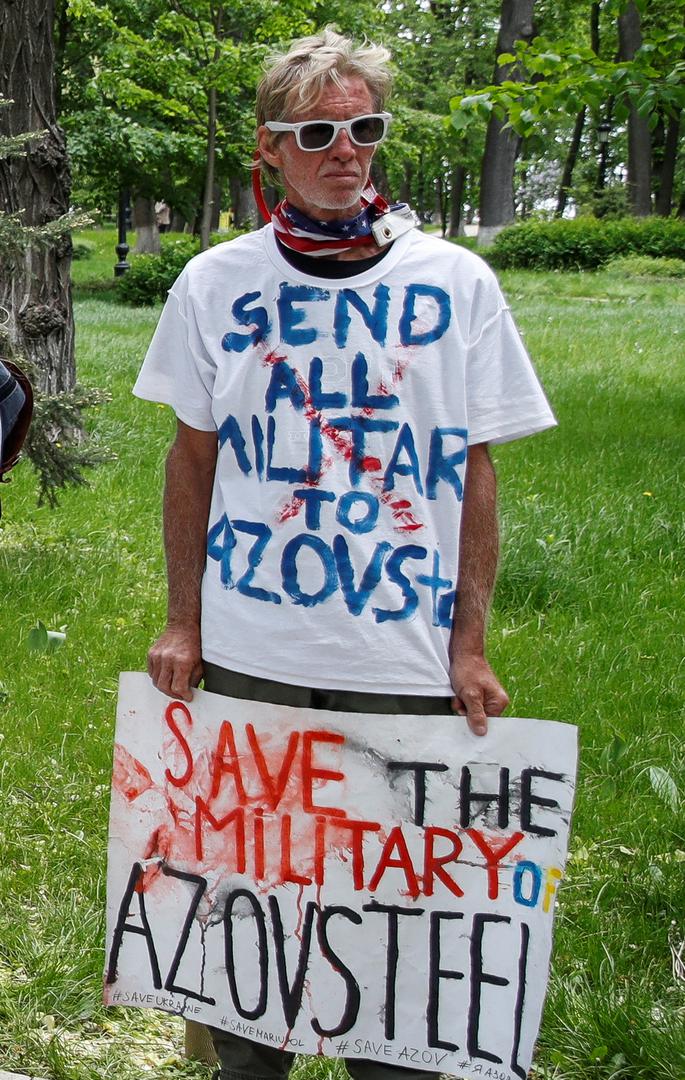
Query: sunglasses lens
316	136
368	130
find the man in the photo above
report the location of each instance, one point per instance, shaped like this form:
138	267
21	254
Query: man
330	492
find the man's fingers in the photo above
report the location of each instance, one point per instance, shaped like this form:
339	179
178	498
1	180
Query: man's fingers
478	693
497	702
475	712
181	688
184	679
170	678
470	704
175	679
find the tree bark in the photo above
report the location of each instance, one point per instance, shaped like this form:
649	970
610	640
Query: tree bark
423	207
216	208
62	26
379	179
405	185
208	195
666	173
37	291
602	162
639	138
441	203
245	211
457	184
502	145
145	224
570	163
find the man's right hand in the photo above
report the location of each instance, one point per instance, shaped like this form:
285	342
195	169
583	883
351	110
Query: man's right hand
174	662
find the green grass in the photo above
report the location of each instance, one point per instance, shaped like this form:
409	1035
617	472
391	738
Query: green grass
587	627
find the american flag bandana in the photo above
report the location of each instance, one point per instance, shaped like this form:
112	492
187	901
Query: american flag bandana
320	238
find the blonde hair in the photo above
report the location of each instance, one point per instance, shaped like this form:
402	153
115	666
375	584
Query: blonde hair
296	78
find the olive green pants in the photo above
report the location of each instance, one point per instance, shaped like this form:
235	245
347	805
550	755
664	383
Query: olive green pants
241	1059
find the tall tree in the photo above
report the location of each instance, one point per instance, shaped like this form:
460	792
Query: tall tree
56	444
161	99
438	49
501	142
562	75
579	125
36	186
665	154
639	138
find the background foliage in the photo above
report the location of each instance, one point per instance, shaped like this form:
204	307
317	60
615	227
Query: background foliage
136	76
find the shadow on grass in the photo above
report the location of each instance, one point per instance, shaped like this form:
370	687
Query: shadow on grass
97	290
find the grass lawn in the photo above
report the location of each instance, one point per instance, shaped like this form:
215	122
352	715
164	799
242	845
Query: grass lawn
587	627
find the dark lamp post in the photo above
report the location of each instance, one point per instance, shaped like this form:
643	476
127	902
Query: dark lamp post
122	248
603	133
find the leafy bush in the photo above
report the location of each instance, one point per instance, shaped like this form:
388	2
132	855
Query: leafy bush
151	276
146	280
585	243
610	202
645	266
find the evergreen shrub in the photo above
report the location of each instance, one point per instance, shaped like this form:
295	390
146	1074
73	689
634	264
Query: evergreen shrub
585	243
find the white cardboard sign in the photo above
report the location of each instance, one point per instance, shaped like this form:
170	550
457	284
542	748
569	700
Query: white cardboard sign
333	883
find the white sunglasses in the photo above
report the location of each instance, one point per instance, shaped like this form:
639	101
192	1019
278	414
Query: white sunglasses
315	135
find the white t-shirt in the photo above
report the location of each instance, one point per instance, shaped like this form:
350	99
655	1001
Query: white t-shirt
343	410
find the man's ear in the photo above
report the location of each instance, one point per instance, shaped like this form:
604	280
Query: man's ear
268	147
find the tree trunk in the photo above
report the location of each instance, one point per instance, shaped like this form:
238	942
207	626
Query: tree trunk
600	183
457	183
145	224
570	164
666	173
379	179
422	207
61	37
405	185
244	207
37	293
639	139
208	196
441	203
572	156
216	208
502	144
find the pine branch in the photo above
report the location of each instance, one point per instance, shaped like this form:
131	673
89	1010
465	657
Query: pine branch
16	237
57	445
15	145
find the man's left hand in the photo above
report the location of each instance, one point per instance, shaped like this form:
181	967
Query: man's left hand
477	691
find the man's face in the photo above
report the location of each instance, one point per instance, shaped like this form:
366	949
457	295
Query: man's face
325	184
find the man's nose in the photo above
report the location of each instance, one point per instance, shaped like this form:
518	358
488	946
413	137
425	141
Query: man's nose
343	147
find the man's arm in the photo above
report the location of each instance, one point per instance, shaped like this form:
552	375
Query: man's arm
174	662
477	692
